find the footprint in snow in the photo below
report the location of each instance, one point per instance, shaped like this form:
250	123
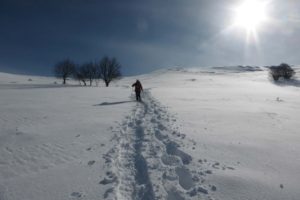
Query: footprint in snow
111	178
172	149
185	178
174	194
76	195
107	192
89	149
91	162
213	188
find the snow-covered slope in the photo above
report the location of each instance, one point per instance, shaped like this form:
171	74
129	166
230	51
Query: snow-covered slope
15	81
198	134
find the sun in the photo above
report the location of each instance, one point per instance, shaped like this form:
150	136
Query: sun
251	14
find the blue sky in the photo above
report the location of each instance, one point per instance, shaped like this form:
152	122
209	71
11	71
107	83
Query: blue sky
142	35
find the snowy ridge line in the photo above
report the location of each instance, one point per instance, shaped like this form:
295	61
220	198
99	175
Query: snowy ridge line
35	86
147	162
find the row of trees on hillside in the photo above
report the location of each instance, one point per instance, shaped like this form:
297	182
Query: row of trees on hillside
107	70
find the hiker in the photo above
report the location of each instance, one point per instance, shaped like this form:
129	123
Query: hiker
138	88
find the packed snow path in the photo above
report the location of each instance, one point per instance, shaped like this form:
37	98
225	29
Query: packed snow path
147	162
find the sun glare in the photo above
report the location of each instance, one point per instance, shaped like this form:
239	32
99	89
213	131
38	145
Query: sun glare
250	14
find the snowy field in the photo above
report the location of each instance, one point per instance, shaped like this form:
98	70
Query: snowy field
215	134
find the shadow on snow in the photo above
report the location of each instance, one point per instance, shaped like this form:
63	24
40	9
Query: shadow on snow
112	103
291	82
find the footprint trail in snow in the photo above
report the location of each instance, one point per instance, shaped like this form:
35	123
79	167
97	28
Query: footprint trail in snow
147	162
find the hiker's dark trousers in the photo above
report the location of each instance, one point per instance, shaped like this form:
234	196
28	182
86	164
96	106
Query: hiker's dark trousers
138	95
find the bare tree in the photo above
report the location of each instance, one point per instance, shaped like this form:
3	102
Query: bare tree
64	69
79	75
283	70
86	72
89	71
108	69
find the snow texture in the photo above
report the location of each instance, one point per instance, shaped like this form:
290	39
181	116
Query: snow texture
201	133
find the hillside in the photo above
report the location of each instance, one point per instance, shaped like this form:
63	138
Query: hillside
210	133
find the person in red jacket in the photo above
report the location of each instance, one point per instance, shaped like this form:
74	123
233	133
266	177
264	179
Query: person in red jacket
138	88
